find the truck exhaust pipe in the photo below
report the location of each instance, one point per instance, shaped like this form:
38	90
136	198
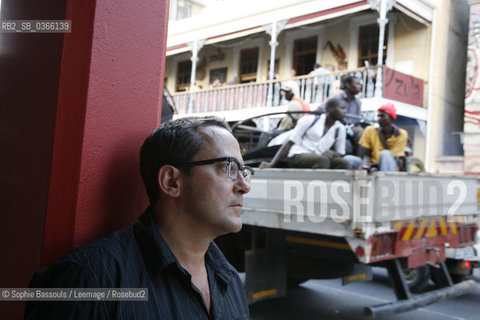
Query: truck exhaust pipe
418	301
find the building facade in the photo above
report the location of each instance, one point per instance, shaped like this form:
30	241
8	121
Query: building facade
472	98
230	58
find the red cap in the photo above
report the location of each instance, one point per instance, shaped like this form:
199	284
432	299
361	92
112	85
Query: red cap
389	109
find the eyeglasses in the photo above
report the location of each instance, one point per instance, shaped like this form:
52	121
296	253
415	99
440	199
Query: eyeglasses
233	167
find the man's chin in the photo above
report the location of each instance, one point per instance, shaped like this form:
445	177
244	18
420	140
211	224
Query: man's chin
235	226
238	228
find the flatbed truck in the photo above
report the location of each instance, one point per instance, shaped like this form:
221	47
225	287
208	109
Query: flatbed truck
302	224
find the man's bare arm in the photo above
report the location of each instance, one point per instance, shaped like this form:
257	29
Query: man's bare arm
281	153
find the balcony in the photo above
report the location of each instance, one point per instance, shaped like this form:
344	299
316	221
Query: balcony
406	92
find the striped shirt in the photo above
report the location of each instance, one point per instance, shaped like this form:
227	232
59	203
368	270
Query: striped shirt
139	257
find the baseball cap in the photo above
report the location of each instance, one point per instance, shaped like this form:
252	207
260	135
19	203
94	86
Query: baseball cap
389	109
286	88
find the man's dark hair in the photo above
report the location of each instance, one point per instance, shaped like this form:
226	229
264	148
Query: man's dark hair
332	103
349	79
174	142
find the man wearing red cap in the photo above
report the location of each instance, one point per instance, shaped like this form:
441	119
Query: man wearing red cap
385	143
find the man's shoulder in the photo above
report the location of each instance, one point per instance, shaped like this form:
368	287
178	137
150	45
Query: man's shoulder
306	119
94	264
294	104
339	124
403	132
370	130
115	246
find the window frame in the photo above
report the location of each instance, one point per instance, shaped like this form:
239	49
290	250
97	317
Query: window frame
252	76
304	52
182	86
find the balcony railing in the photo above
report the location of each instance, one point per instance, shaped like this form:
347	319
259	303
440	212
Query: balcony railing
313	89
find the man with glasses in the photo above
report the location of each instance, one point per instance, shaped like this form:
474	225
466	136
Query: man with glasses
193	173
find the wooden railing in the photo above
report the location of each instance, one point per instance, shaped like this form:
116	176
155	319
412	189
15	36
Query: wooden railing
313	89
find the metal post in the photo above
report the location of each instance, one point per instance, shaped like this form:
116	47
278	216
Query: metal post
273	45
383	7
273	30
195	46
397	279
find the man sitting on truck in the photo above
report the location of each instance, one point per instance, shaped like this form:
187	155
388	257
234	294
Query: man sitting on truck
318	141
351	88
385	143
294	104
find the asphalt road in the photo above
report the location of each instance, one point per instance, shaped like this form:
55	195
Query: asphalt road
328	299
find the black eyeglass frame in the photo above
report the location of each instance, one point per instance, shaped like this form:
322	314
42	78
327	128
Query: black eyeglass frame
226	159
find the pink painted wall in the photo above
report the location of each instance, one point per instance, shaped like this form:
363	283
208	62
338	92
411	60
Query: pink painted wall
123	107
117	68
118	98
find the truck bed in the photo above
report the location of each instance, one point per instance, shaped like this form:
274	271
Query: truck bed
352	203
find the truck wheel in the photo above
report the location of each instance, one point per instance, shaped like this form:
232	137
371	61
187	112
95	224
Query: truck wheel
417	278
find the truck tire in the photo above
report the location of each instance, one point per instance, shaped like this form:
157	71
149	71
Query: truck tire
417	278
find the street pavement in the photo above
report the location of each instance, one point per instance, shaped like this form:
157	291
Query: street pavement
328	299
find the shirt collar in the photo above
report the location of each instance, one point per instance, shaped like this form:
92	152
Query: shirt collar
157	254
396	132
219	264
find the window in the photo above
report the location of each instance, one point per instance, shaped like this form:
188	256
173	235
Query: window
248	65
368	45
184	9
304	55
220	73
183	74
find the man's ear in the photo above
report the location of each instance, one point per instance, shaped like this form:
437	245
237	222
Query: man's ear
169	181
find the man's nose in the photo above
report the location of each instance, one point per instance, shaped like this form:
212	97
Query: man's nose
241	185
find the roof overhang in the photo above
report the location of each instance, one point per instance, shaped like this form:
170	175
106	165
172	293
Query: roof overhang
229	20
420	10
251	16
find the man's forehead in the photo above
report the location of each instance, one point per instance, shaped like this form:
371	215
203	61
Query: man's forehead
213	132
382	113
217	140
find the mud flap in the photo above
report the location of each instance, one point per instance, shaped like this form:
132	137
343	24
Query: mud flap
266	274
361	272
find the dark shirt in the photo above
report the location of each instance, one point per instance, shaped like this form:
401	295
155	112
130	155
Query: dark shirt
354	107
139	257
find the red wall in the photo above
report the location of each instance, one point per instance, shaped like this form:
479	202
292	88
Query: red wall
30	67
73	117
